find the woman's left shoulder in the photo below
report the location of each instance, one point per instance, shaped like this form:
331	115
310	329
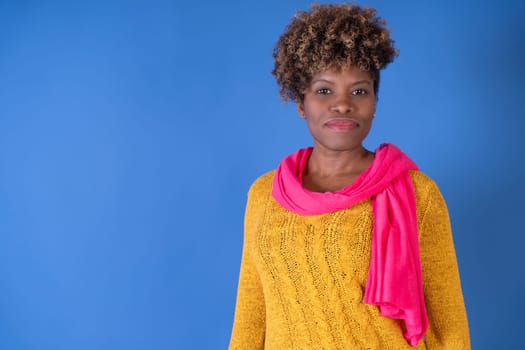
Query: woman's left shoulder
420	179
425	188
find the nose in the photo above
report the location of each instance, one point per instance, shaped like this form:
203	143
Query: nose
342	104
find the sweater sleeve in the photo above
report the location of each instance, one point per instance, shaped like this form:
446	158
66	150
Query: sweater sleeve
249	322
448	326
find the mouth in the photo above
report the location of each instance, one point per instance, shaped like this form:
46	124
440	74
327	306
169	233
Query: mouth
341	124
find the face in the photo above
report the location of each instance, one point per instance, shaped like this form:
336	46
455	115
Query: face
338	107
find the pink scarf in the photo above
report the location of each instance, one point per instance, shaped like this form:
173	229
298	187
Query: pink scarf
394	275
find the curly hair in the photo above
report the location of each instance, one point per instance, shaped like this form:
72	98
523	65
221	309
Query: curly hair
330	37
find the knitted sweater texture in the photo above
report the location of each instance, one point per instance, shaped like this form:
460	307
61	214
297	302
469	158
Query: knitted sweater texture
302	278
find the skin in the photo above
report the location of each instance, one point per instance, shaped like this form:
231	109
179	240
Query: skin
338	107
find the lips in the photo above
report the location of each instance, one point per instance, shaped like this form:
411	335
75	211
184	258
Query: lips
341	124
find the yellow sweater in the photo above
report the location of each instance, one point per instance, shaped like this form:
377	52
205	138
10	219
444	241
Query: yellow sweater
302	278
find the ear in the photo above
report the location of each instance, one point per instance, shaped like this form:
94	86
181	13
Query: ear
300	109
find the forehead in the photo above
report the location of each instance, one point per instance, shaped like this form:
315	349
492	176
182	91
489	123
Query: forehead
348	74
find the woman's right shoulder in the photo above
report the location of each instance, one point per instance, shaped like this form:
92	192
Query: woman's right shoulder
262	185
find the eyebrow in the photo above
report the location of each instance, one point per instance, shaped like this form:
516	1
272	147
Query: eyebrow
369	82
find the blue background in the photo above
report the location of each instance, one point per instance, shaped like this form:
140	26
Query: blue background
130	132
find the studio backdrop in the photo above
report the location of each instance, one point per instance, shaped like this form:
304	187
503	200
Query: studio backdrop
130	132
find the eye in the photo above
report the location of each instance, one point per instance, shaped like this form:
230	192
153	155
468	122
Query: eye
323	91
359	92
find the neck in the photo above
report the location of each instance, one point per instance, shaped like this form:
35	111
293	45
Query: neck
329	163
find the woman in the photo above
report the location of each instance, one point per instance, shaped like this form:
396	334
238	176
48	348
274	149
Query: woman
344	248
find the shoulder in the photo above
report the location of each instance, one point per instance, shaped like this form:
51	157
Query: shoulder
262	185
428	195
259	196
421	181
